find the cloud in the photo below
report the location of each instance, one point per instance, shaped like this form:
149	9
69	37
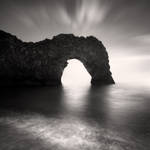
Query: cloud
145	39
89	14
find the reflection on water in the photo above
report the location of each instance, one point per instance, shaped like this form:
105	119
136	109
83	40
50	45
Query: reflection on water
71	118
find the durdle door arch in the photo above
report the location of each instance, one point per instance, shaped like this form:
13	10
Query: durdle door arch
43	63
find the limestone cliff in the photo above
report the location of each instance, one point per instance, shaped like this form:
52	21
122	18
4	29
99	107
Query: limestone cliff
42	63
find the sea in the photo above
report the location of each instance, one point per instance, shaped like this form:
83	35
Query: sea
75	117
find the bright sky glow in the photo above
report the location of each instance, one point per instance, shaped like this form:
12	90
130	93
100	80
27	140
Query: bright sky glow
75	74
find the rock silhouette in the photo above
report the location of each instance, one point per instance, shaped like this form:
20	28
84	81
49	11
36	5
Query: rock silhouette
42	63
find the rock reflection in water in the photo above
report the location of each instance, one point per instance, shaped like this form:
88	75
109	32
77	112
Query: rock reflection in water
110	117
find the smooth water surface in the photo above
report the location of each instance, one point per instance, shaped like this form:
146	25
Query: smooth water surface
113	117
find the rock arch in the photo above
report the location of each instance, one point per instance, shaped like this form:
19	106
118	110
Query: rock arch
43	62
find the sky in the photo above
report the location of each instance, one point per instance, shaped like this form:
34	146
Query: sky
122	25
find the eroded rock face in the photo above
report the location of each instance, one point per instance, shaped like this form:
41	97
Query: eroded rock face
42	63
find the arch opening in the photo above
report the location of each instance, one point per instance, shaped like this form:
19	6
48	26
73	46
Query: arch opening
75	74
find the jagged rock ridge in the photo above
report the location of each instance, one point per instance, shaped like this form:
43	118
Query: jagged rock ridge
42	63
